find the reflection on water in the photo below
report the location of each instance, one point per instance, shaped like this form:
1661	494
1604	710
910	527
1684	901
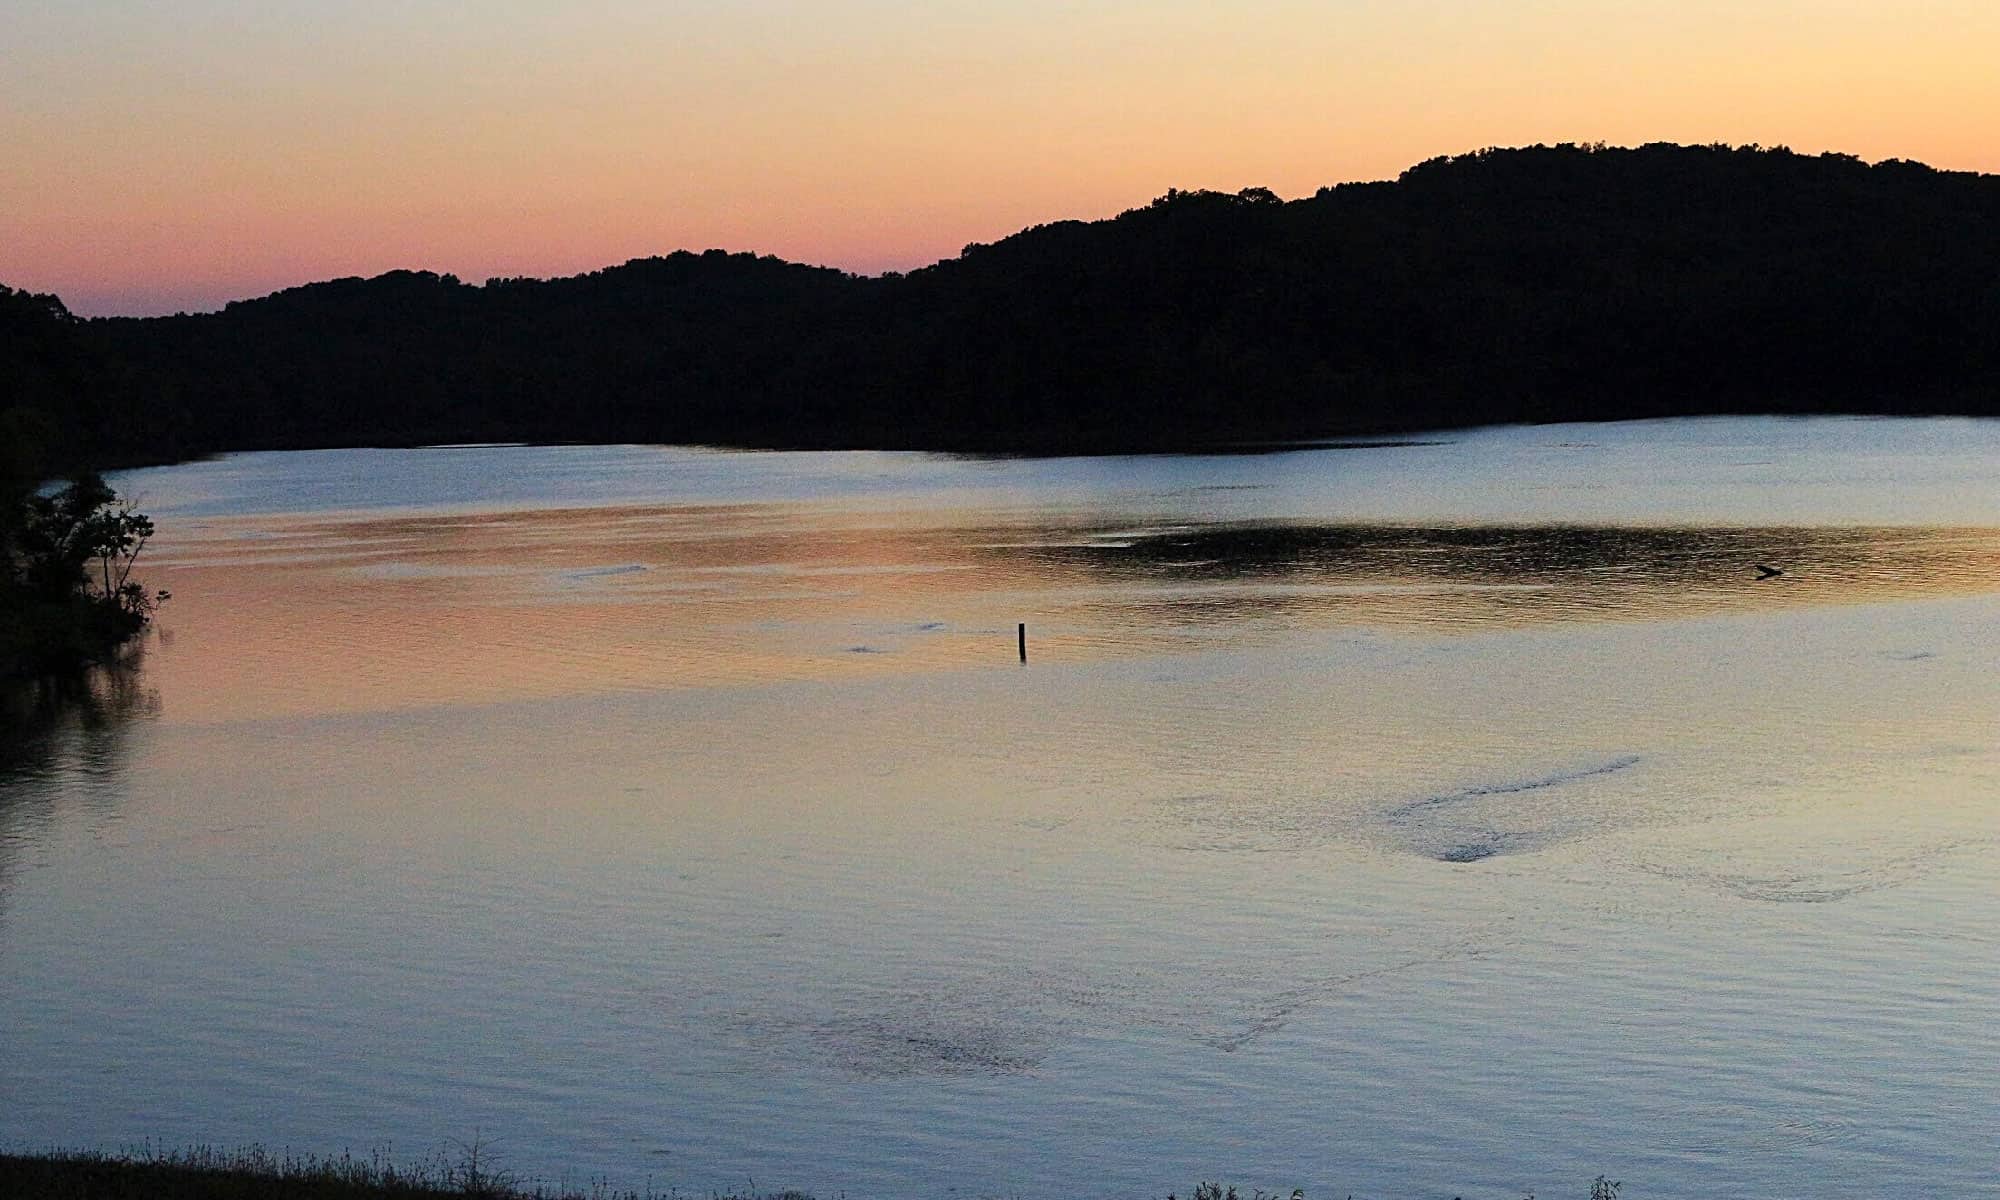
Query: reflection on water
308	615
1411	820
68	732
1477	576
63	745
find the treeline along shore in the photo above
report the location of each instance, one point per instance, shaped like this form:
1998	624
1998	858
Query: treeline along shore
1548	283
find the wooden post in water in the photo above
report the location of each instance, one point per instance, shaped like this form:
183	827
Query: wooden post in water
1024	641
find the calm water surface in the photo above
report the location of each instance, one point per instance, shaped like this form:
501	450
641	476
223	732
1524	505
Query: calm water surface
1413	820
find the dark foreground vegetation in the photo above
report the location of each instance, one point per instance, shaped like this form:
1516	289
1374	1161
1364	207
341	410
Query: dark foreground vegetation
67	542
1569	282
67	596
256	1175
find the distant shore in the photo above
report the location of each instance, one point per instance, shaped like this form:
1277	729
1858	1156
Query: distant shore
1548	283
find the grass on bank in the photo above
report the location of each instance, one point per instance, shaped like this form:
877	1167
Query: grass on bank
204	1173
256	1174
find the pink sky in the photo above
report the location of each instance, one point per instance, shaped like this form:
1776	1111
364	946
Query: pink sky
178	156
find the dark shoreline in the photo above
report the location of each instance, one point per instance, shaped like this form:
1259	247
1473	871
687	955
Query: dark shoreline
255	1174
203	1174
1536	285
1392	439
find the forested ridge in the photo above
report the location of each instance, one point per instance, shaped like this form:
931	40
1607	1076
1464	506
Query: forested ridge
1568	282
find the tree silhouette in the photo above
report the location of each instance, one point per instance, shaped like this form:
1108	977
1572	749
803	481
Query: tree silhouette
1545	283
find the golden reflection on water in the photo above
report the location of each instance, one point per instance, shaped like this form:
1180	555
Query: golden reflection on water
300	616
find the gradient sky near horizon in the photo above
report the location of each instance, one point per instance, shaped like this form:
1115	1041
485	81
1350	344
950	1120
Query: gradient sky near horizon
166	156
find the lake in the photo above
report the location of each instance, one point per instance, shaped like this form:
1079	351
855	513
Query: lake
1456	816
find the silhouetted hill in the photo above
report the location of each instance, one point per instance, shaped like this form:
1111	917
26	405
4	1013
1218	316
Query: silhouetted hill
1508	285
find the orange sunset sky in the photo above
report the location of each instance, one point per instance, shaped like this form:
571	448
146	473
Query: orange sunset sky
156	157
